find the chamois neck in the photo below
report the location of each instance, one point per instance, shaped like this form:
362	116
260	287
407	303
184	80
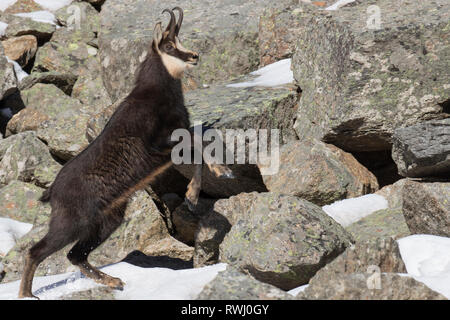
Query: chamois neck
153	78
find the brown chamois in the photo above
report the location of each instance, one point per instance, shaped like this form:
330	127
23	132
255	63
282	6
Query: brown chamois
90	194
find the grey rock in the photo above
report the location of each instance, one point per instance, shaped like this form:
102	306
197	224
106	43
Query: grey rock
319	173
426	207
361	82
63	81
234	285
423	150
19	26
355	286
22	156
283	240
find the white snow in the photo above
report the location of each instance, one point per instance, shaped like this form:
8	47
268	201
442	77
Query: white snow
20	74
140	283
339	4
348	211
272	75
39	16
6	3
427	259
10	232
3	27
297	290
53	5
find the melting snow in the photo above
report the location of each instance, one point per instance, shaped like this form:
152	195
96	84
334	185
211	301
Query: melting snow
272	75
6	3
10	232
39	16
348	211
20	74
3	27
427	259
53	5
140	283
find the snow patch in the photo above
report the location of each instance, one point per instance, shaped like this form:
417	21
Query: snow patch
20	74
39	16
140	283
297	290
348	211
3	27
427	259
6	3
339	4
53	5
272	75
11	231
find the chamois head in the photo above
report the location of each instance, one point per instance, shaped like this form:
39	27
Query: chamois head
174	56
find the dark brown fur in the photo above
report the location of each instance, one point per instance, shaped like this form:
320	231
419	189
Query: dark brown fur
90	194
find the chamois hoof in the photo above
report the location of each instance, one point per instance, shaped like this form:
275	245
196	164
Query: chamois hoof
190	205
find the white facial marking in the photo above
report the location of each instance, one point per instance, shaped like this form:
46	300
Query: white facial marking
174	66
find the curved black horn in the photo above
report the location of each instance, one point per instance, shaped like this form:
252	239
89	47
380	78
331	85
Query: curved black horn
172	24
180	19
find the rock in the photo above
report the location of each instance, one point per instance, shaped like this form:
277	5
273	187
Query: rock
283	240
170	247
426	207
423	150
97	293
215	224
88	19
142	227
90	91
380	224
383	253
393	194
43	102
234	285
237	108
186	222
63	81
361	82
22	156
23	6
19	201
319	173
20	49
8	80
225	35
354	286
277	34
20	26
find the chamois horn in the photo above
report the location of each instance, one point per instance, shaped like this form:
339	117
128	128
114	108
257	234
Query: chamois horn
180	19
172	24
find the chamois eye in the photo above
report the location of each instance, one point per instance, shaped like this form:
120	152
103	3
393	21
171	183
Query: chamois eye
169	47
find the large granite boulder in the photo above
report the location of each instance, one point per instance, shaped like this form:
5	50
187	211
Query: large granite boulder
20	49
423	150
363	77
426	207
320	173
24	157
283	240
224	32
234	285
354	286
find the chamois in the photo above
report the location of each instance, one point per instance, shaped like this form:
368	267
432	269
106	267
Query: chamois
90	194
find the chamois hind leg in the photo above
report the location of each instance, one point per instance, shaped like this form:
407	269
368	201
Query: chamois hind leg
194	187
53	241
78	255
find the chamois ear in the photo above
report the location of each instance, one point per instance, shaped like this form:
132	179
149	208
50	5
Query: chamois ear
157	37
